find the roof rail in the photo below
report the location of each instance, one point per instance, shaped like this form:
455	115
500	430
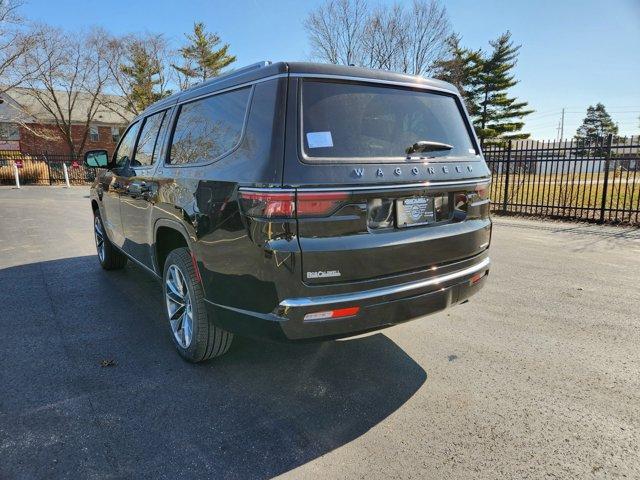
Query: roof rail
253	66
231	74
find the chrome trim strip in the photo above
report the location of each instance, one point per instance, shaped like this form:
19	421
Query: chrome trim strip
399	186
374	80
267	190
213	91
140	264
480	181
305	302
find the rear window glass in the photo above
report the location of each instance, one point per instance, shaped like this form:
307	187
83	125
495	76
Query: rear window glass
208	128
355	121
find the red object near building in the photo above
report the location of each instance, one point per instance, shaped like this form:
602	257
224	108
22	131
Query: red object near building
75	164
19	163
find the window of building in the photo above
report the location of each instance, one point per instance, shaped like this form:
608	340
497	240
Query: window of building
147	148
94	133
9	132
207	129
115	134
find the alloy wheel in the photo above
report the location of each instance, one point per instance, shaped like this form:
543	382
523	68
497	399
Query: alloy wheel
99	234
179	306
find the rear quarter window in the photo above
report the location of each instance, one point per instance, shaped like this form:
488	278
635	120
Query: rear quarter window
208	128
350	122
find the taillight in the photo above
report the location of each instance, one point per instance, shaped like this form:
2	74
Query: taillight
276	204
268	204
316	204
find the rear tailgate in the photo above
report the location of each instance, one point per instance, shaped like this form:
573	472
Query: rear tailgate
389	179
378	232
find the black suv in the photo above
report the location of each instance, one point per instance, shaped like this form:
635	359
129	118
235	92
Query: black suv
297	201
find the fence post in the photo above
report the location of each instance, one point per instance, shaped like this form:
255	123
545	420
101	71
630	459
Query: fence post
66	174
506	181
15	173
607	162
46	159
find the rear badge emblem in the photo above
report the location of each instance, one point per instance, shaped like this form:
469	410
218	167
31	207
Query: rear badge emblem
397	171
324	274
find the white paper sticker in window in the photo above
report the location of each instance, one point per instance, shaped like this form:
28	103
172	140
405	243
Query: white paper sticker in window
319	139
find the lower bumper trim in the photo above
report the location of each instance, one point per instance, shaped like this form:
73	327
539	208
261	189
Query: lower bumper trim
306	302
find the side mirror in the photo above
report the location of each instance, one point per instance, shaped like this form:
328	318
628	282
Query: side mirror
96	159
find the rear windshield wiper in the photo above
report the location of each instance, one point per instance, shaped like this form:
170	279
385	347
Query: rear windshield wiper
427	146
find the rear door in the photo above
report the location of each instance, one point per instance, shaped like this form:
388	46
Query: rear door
140	188
389	180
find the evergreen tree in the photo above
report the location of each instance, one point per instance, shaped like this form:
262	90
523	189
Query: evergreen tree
596	125
462	68
202	60
143	76
498	117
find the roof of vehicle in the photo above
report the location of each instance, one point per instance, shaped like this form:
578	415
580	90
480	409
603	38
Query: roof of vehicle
262	70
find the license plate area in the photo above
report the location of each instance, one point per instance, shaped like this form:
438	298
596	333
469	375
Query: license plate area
414	211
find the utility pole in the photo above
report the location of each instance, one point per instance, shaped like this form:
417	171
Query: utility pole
560	128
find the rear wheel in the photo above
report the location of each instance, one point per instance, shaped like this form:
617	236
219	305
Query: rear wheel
109	256
194	334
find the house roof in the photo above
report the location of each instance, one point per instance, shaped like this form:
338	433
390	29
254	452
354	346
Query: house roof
21	105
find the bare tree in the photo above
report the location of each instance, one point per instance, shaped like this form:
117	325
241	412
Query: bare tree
400	38
383	38
336	31
426	32
14	43
71	75
139	71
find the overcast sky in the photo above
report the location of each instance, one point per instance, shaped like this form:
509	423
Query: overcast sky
574	53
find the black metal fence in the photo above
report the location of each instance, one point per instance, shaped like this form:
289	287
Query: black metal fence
43	169
596	181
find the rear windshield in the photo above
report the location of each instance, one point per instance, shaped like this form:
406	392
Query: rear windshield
347	121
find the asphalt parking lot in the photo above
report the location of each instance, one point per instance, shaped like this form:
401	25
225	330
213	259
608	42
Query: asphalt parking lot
536	377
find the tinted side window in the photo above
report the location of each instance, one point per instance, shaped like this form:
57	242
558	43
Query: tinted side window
123	153
209	128
146	150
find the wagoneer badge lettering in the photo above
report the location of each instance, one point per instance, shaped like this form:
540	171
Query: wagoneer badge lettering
397	171
324	274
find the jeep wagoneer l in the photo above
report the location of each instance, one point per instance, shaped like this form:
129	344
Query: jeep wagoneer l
297	201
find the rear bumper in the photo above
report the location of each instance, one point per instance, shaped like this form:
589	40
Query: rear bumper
379	308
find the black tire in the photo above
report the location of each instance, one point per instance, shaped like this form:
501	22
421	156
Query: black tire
110	258
206	339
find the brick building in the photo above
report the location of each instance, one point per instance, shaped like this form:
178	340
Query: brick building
21	115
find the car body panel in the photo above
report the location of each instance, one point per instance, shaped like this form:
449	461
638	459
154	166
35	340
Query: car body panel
248	265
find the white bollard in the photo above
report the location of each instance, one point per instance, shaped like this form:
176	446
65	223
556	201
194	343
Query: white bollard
66	174
15	173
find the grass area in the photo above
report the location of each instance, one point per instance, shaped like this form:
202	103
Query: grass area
578	196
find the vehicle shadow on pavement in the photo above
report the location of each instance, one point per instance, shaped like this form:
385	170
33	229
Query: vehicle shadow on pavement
260	411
